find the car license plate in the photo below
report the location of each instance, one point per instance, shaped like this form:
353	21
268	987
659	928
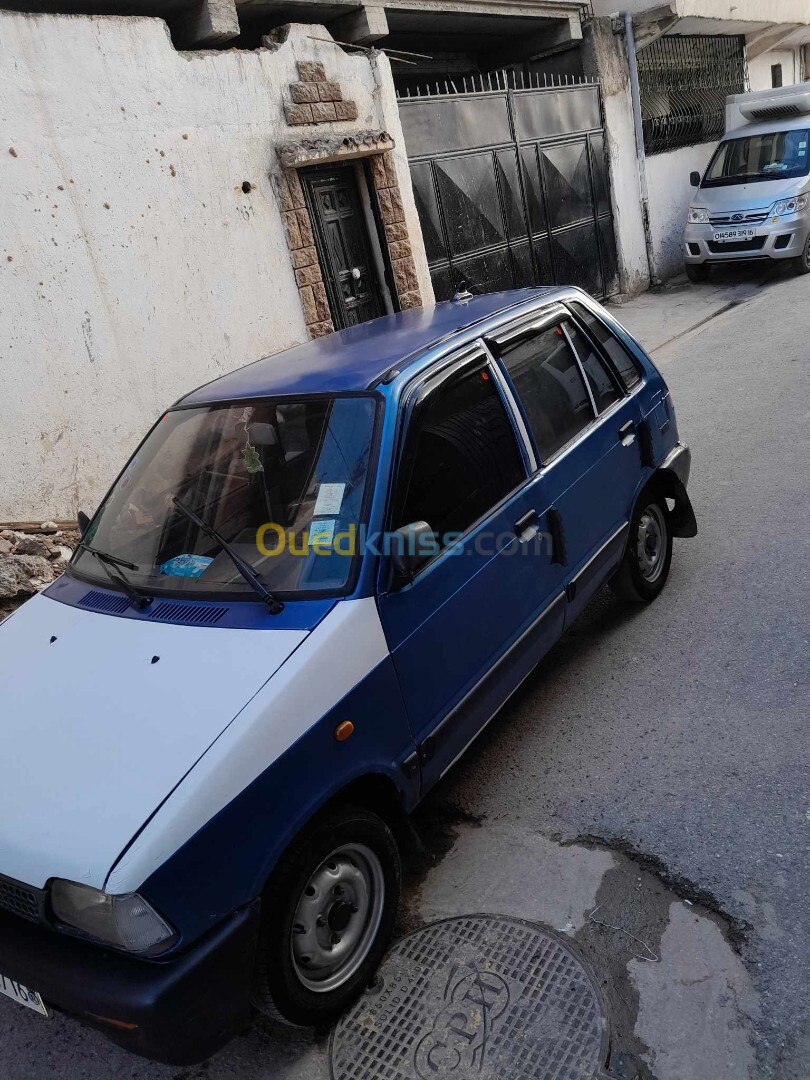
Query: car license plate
726	236
17	992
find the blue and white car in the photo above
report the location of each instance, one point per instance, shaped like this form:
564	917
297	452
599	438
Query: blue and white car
314	583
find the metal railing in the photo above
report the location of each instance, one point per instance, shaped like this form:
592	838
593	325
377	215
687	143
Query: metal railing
517	79
684	82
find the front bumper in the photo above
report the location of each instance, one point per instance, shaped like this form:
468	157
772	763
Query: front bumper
784	239
178	1011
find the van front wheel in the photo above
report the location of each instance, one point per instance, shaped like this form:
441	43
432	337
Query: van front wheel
327	916
697	271
801	264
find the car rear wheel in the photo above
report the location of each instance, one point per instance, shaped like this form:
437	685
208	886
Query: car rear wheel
327	916
801	264
698	271
645	567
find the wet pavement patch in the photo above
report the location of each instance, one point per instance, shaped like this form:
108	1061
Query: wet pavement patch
482	996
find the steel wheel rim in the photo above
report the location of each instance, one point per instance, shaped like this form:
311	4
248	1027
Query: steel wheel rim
337	917
651	542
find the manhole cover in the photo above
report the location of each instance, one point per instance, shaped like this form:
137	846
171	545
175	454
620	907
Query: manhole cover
480	996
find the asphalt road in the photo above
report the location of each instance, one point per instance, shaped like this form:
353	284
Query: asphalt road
681	729
676	731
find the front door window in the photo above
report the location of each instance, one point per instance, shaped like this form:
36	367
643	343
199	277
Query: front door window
462	458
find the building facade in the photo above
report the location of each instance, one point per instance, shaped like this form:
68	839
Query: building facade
189	186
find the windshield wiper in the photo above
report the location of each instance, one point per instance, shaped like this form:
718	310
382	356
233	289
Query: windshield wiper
242	565
110	565
104	556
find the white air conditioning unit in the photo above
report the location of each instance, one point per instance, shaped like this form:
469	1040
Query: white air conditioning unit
782	103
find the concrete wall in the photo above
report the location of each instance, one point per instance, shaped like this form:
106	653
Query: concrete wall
759	69
670	194
604	57
132	264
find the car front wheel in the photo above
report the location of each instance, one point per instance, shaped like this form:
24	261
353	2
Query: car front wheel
327	916
644	569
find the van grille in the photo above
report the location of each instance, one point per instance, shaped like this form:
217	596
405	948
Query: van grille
19	899
749	217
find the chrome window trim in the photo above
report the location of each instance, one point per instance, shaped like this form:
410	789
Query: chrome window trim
581	368
534	322
512	407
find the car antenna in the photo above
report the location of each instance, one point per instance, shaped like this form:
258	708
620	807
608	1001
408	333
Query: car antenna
462	293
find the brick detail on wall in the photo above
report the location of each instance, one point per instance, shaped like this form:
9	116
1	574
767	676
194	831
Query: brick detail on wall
314	99
304	257
386	185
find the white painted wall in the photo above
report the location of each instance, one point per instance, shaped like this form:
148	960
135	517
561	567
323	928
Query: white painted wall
670	194
132	265
604	57
759	69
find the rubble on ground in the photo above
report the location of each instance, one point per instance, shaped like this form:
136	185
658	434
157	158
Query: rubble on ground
31	560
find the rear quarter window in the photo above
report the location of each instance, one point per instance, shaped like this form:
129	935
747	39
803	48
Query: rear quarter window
625	365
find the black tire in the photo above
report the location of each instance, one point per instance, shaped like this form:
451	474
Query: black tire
801	264
280	987
697	272
633	580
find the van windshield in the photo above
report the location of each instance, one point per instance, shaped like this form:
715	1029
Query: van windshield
776	155
281	481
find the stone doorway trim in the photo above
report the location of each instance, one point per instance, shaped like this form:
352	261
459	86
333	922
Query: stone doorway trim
377	147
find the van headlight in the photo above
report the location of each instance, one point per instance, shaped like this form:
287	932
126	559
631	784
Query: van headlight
698	215
125	921
789	206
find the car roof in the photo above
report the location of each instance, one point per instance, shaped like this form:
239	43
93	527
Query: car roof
358	357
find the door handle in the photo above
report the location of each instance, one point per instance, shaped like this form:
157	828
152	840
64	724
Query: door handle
627	433
555	526
527	527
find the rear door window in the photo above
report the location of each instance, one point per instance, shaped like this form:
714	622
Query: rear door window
548	381
623	362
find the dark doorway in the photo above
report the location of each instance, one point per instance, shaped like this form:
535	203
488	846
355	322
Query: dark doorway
344	246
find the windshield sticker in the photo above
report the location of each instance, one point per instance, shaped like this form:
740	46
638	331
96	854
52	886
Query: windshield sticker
329	500
186	565
322	532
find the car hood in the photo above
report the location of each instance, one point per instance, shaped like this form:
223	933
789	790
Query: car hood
100	718
757	196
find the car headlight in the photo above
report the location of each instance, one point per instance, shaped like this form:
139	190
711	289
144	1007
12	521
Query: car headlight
125	921
789	206
698	215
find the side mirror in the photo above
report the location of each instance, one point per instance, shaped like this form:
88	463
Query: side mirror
411	547
694	179
83	522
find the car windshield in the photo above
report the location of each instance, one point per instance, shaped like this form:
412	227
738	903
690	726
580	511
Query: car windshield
776	155
281	481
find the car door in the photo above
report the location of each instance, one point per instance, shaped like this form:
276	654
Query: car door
474	620
584	431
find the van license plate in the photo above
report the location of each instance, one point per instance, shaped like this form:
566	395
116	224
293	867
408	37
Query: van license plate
726	236
19	993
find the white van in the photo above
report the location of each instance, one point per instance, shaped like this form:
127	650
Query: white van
752	201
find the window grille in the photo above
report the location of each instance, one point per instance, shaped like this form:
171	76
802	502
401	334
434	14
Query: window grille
684	82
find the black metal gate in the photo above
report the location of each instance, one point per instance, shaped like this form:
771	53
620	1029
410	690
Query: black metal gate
511	185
